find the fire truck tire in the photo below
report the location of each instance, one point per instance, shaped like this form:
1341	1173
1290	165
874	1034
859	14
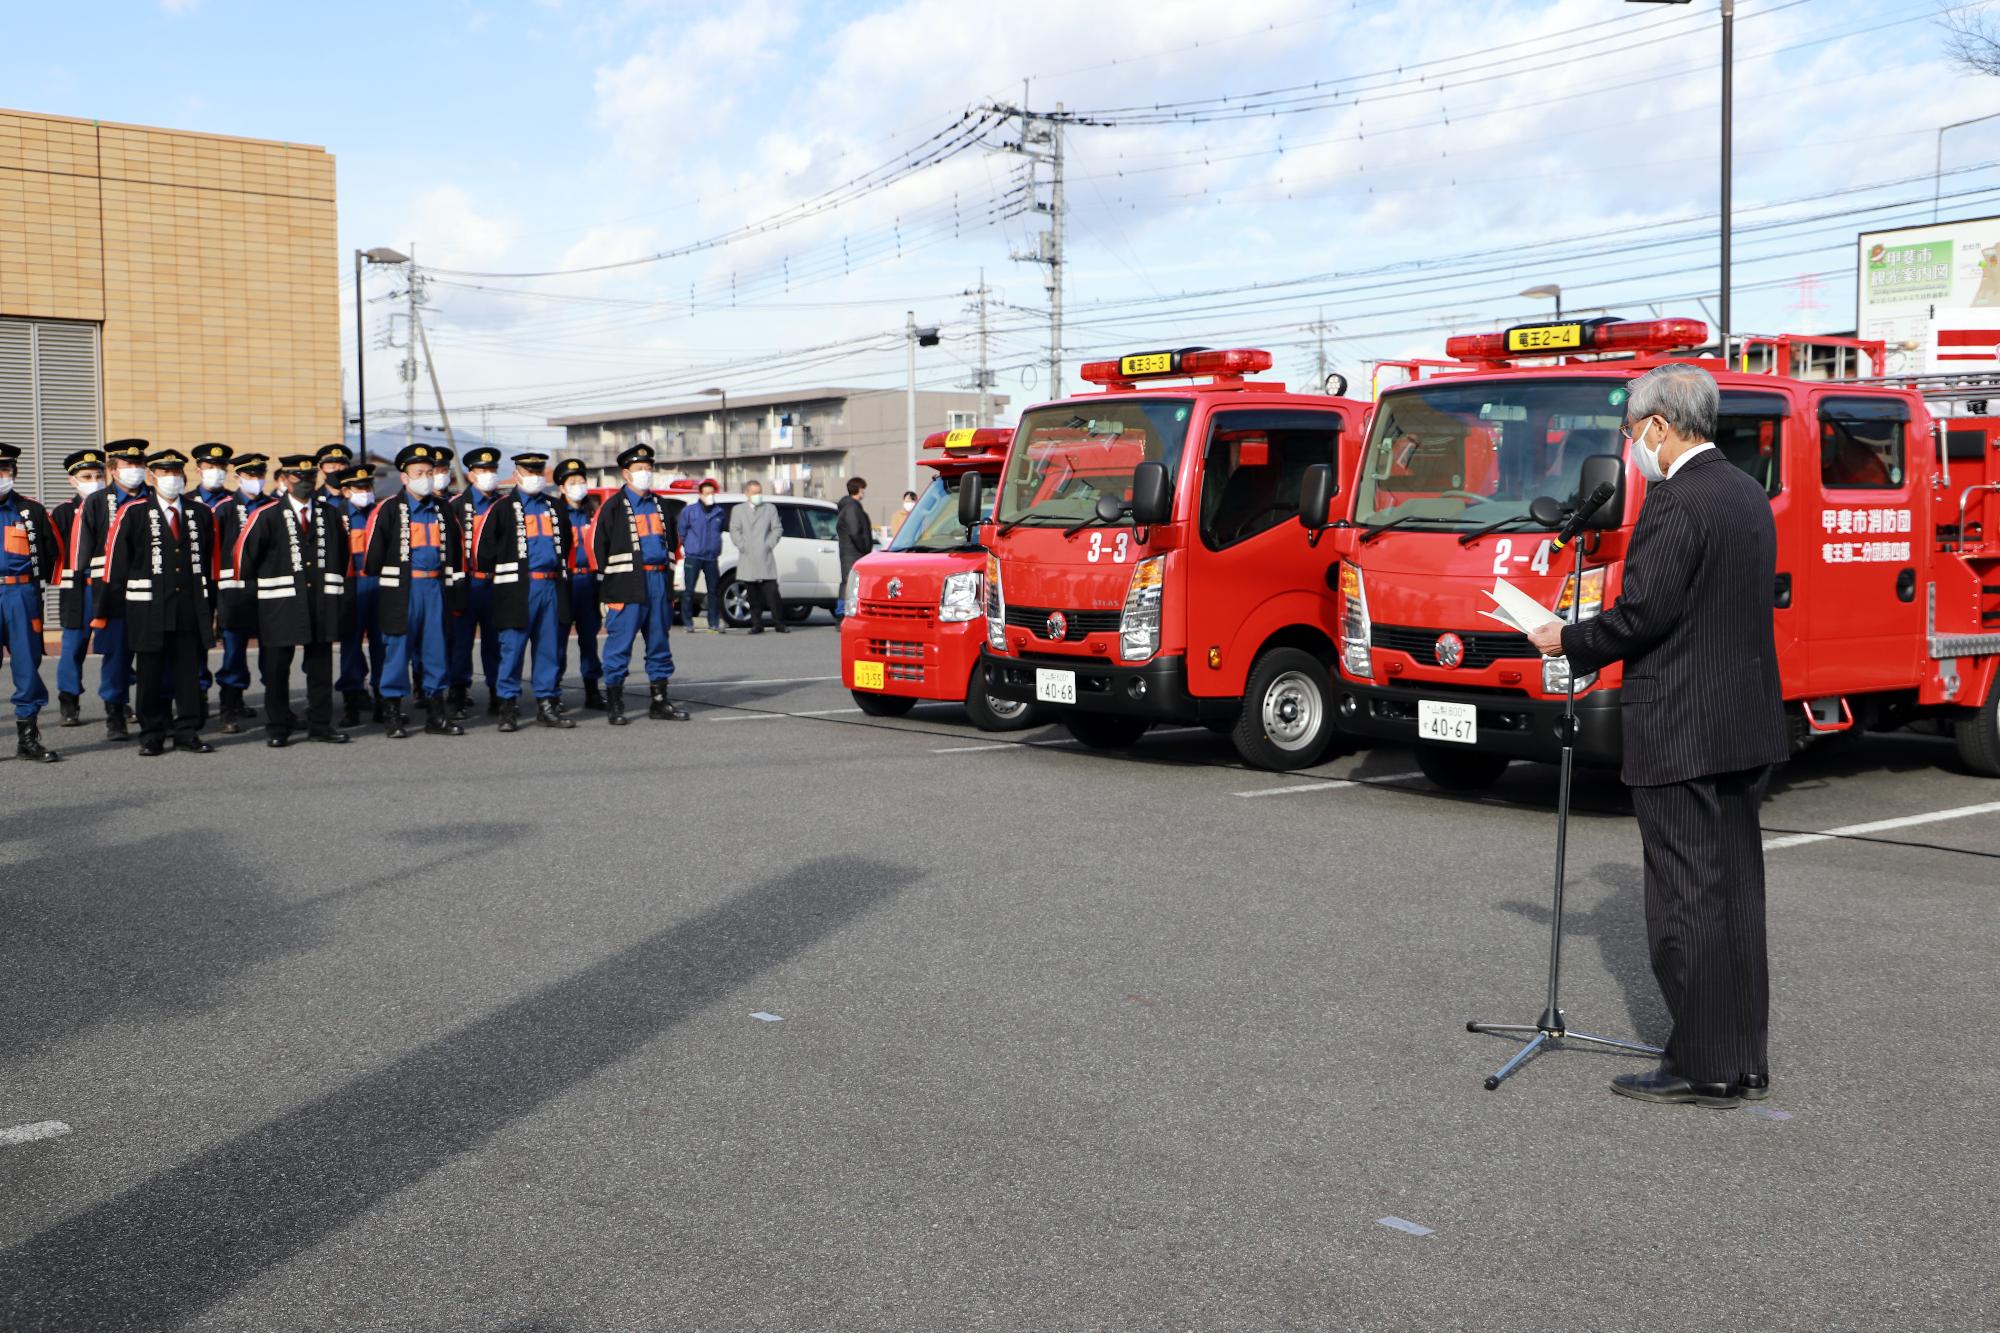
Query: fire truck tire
991	714
1105	731
1460	770
883	705
1979	736
1287	717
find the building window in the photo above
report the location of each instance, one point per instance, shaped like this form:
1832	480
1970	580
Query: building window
961	420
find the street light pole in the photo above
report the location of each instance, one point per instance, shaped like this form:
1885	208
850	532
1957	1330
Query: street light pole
910	402
1937	172
723	394
379	255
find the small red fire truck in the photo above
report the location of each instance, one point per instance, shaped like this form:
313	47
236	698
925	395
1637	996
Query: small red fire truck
915	610
1887	597
1148	563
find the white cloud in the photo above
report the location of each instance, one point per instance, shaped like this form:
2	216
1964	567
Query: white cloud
453	231
689	80
179	6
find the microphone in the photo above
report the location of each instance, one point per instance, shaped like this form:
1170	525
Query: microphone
1590	504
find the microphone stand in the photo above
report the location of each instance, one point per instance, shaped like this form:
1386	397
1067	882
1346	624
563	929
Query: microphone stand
1552	1028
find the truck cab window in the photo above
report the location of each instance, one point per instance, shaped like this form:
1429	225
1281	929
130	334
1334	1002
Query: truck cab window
1253	467
1861	443
1750	432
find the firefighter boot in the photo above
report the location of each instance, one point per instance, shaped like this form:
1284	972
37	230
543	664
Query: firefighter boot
350	712
614	705
399	721
382	707
115	719
442	723
461	706
510	714
493	702
232	710
593	696
71	708
30	745
663	709
548	712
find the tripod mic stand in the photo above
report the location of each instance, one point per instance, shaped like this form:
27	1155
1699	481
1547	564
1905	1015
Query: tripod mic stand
1552	1028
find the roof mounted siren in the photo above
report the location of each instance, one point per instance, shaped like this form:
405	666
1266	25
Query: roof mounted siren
1578	337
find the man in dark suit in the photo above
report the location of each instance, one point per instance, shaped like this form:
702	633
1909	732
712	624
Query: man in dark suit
160	577
294	555
1703	721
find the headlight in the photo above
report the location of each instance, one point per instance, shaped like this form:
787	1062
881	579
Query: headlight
850	597
1593	594
960	601
996	607
1555	676
1139	629
1354	626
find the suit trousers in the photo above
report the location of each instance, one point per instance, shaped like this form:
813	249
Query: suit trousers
175	665
279	719
1705	920
764	597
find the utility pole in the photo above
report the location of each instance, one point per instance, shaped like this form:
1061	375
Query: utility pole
982	378
1042	143
1319	328
910	402
436	392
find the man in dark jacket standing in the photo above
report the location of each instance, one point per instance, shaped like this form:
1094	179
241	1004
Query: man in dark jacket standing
521	545
633	549
160	578
86	474
1703	721
700	526
30	547
295	554
93	553
851	526
412	550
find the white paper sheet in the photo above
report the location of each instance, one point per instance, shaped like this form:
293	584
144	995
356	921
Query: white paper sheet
1517	610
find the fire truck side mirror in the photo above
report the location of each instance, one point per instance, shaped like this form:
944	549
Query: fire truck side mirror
970	499
1152	494
1599	470
1316	491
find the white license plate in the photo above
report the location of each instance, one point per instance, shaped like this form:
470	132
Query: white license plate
1055	687
1447	722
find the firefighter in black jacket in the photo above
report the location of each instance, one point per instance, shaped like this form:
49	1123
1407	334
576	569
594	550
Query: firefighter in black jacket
632	546
238	604
30	550
521	547
86	474
293	555
114	670
413	548
161	579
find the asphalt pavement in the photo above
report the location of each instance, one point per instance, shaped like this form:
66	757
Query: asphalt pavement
790	1018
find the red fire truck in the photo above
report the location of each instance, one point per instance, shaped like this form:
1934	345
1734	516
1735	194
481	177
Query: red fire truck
1887	599
1147	563
915	610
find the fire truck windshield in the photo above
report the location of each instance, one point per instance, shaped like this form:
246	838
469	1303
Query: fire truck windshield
933	525
1068	454
1462	455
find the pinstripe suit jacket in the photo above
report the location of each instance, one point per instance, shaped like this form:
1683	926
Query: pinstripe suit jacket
1693	626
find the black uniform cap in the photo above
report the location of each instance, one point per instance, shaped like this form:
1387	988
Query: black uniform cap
333	453
212	452
167	458
9	452
251	465
570	467
355	476
419	453
82	459
532	462
638	453
128	450
296	463
484	456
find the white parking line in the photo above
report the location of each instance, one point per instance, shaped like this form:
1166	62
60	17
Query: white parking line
41	1129
823	712
747	717
976	749
1879	826
788	680
1335	784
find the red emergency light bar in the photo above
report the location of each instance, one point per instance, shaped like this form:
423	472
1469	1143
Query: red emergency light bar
995	438
1576	336
1233	363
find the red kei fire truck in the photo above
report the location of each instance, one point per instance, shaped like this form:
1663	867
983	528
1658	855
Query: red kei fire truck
1887	598
1147	559
915	610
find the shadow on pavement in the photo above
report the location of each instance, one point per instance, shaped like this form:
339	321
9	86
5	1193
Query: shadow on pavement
189	1236
1617	926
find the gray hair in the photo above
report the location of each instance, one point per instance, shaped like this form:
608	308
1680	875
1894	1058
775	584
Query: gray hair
1685	395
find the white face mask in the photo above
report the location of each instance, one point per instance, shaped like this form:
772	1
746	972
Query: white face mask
530	484
576	491
6	485
908	505
211	477
251	485
1648	459
131	477
170	488
361	499
708	500
89	488
486	482
642	479
419	486
756	497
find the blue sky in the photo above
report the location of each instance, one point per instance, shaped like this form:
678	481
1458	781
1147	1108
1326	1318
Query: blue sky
1525	141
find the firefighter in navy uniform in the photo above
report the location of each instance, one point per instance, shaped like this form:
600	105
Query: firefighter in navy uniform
161	579
632	546
579	510
86	474
114	670
521	544
295	555
330	463
361	647
414	547
236	603
475	605
30	552
211	460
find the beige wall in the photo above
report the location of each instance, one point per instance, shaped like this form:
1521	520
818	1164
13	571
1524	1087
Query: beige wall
211	263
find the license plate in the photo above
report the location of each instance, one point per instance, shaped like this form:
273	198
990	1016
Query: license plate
1055	687
868	676
1447	722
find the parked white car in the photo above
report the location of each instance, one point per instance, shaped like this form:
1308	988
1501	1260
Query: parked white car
808	555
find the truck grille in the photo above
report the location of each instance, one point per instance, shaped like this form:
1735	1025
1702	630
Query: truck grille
895	610
1481	649
1035	619
909	675
896	650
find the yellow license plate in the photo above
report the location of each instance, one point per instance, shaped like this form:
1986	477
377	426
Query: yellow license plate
868	676
1545	338
958	439
1146	363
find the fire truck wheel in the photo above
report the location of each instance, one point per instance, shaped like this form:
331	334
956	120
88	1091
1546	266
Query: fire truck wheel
991	714
1105	731
1460	770
1979	736
883	705
1287	717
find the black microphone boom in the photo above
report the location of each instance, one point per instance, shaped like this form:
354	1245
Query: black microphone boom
1579	516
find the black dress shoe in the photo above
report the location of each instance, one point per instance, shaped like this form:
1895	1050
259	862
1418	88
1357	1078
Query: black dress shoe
328	737
1753	1087
1663	1085
150	748
193	745
278	742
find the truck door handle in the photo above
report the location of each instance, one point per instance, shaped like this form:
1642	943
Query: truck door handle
1906	585
1782	595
